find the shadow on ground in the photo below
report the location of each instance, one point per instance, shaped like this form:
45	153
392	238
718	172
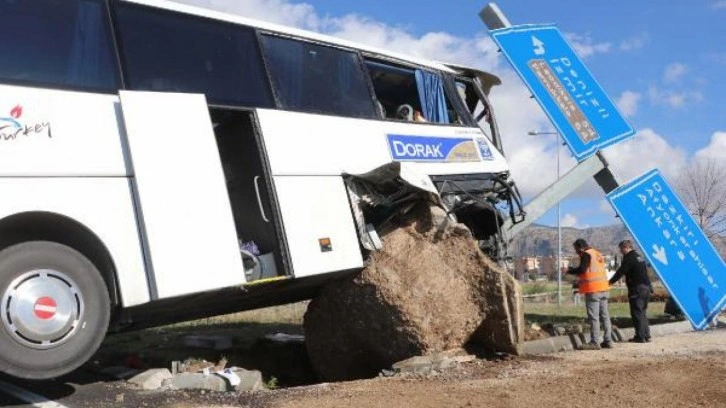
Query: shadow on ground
281	364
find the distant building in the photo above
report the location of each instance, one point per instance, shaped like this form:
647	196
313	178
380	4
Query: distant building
545	266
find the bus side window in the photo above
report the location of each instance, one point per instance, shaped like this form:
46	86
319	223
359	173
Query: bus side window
395	89
64	44
316	78
172	52
477	108
412	94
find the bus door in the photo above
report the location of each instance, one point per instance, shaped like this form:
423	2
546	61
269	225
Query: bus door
183	209
312	202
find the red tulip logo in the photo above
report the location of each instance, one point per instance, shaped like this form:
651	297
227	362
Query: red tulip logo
16	112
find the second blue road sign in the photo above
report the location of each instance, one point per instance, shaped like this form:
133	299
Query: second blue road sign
675	245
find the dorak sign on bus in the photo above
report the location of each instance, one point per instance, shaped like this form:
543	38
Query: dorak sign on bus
437	149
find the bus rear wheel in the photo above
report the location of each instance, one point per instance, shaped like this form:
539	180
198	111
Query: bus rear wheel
55	310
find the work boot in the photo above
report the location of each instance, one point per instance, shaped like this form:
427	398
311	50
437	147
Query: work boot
637	340
606	345
590	346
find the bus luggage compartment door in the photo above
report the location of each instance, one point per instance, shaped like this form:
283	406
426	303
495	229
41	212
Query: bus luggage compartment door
183	208
318	224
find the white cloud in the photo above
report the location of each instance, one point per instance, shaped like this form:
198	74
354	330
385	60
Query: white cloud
571	221
635	43
646	150
568	221
585	47
716	149
628	103
674	72
606	207
300	15
720	4
673	99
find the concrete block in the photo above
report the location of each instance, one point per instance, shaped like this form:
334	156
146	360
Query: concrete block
443	364
576	341
547	345
464	359
250	380
417	364
197	381
151	379
627	333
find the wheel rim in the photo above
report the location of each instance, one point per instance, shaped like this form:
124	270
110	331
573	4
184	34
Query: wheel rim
42	308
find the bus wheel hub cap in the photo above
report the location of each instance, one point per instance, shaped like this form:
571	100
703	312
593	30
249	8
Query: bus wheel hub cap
42	309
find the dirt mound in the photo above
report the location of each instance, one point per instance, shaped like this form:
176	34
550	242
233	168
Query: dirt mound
429	289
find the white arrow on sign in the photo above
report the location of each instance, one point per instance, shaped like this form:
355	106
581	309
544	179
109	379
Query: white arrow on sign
539	48
660	254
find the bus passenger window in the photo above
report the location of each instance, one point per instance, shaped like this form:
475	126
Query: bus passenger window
478	108
411	94
316	78
64	44
395	89
171	52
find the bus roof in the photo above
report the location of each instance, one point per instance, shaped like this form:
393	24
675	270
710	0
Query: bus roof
236	19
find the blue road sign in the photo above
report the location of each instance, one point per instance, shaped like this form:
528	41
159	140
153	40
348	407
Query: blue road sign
675	245
577	105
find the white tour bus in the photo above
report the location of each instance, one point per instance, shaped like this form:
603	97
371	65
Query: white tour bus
160	162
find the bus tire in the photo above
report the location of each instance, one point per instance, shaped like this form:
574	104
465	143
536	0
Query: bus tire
55	310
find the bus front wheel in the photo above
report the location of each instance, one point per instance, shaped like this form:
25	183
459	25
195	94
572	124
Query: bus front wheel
55	310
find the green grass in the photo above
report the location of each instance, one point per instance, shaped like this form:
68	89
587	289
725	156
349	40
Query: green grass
290	314
569	314
533	288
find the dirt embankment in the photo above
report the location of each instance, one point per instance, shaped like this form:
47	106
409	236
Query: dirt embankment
429	289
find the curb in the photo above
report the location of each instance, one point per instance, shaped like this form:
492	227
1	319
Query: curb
574	341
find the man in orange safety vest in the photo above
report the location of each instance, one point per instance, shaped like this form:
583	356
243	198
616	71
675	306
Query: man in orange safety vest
593	283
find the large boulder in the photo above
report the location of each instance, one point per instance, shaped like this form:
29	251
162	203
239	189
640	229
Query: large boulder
429	289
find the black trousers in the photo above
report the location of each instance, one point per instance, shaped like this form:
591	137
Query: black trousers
638	298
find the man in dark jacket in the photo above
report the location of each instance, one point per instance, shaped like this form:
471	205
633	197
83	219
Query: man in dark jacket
636	278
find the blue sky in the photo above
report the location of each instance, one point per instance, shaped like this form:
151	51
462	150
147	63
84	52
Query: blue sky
661	61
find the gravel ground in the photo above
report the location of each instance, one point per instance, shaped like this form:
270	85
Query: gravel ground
682	370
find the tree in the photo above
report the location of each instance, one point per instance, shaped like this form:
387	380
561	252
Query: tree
702	187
